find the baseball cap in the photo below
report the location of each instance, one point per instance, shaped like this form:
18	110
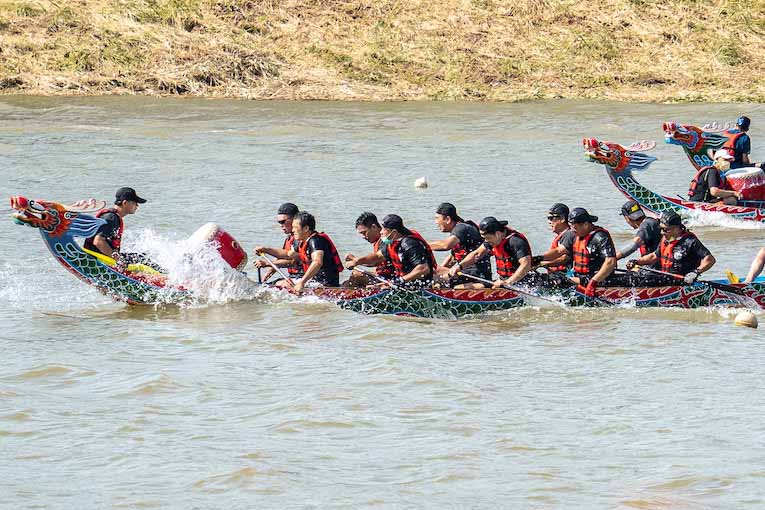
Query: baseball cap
724	154
632	210
395	222
128	194
490	224
559	210
288	209
670	218
447	209
580	215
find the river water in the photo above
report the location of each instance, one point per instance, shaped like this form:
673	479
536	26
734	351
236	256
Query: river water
245	401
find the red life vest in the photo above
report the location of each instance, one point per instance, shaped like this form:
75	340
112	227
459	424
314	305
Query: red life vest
700	181
398	265
459	252
306	260
292	269
116	242
667	252
506	261
553	245
583	263
730	143
385	268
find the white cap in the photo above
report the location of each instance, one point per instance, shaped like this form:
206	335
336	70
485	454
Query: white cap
724	153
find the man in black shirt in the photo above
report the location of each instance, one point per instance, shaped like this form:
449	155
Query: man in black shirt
709	185
108	238
409	253
647	236
314	250
680	252
464	237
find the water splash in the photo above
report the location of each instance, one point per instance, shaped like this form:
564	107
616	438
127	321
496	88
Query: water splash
196	267
718	219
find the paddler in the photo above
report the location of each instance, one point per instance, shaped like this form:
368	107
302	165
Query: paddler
680	252
709	184
409	253
593	253
369	228
464	237
284	217
314	250
648	232
510	249
739	145
557	218
108	238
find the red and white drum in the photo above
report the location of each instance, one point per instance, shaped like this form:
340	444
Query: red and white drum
749	181
227	246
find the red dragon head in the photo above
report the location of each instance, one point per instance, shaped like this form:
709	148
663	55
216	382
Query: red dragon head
51	217
617	157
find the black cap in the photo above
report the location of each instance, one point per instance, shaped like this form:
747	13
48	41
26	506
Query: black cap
394	222
632	210
671	219
447	209
559	210
128	194
490	224
288	208
580	215
743	122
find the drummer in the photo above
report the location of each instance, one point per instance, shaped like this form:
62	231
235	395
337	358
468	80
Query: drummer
709	184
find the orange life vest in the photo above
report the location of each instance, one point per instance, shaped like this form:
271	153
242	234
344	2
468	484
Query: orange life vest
506	261
398	265
667	255
385	268
116	242
459	252
292	269
583	263
553	245
700	181
730	143
306	260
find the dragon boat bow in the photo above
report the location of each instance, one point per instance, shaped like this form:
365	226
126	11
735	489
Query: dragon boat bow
620	162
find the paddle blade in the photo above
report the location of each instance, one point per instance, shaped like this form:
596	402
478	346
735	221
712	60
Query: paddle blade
732	277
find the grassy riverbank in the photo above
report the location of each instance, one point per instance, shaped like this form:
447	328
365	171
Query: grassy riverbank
635	50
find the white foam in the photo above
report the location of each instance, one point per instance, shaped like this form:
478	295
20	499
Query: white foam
719	219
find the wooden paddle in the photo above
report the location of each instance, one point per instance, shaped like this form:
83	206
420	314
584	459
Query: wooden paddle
376	277
513	288
277	269
714	285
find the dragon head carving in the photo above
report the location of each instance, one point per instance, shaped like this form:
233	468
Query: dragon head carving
619	158
56	220
697	142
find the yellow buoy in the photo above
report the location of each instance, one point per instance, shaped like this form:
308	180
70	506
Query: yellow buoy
747	319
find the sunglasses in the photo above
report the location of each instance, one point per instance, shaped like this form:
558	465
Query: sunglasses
554	217
575	222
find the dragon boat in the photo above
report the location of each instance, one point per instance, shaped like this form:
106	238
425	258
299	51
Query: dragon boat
620	162
698	143
61	225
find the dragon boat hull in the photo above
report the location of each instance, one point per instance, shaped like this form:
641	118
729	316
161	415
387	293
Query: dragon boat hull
454	303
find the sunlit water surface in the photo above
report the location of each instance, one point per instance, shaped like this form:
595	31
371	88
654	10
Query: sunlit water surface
249	400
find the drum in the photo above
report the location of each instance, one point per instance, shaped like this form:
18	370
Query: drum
749	181
227	246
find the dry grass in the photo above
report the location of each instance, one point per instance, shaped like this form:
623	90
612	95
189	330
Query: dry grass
641	50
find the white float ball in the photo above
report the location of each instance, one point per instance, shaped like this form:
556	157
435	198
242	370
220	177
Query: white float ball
746	318
421	183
